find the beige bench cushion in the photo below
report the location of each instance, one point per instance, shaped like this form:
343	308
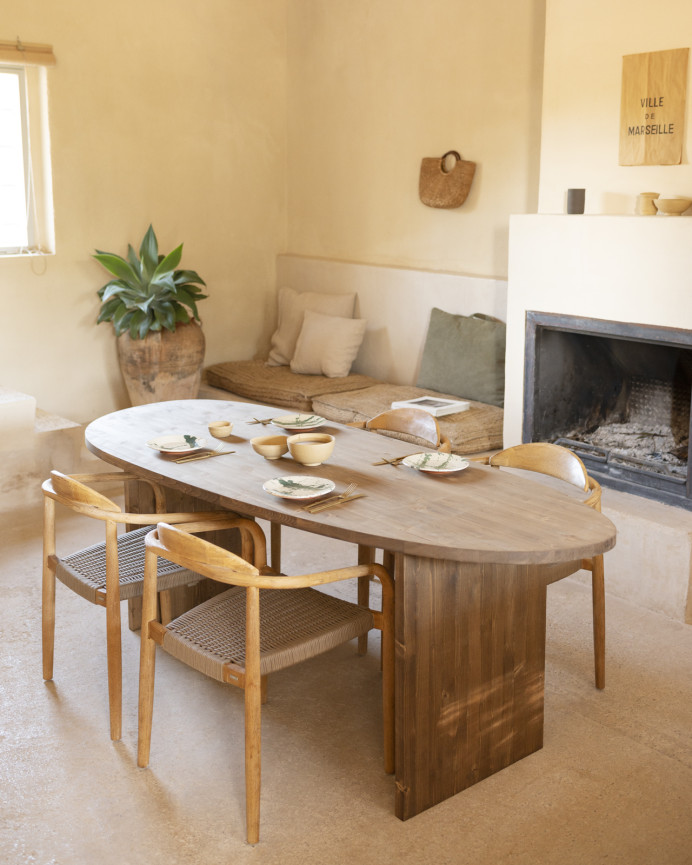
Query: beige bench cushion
277	385
473	431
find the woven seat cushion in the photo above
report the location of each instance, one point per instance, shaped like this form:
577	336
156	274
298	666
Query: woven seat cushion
85	571
295	624
277	385
472	431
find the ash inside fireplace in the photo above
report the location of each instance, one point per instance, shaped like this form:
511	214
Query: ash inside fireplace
644	439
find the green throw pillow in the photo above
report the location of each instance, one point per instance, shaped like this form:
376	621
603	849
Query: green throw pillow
465	356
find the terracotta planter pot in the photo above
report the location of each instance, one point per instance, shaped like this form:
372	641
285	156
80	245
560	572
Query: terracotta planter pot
163	365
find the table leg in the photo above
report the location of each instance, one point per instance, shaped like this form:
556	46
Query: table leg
470	667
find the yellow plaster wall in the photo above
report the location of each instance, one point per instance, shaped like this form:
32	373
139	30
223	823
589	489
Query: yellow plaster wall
161	111
374	86
585	43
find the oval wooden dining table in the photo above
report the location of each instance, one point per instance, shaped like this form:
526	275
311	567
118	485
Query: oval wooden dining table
474	554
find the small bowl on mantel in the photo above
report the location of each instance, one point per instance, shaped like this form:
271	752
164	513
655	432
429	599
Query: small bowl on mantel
311	449
672	206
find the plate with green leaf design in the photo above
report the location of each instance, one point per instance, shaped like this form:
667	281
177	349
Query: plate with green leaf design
298	487
177	444
436	463
299	422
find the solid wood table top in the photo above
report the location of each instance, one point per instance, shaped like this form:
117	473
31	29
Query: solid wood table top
480	514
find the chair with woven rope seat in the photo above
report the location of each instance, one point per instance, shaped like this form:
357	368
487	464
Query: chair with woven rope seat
559	462
413	425
264	623
105	573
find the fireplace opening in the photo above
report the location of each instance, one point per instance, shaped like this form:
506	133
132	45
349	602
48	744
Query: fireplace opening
617	394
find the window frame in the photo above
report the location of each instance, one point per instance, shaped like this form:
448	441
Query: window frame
38	190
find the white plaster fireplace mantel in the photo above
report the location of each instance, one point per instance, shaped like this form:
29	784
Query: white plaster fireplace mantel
620	268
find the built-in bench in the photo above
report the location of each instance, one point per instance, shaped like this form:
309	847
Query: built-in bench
351	398
355	337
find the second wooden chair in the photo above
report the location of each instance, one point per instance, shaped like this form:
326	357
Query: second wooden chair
263	624
561	463
105	573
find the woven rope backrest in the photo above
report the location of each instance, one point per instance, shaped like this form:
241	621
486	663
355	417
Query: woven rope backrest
547	459
412	421
70	491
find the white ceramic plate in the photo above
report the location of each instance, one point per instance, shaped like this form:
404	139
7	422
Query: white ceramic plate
299	422
298	487
177	444
436	463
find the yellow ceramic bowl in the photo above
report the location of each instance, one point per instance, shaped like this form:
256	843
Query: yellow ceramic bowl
672	206
270	447
220	429
311	449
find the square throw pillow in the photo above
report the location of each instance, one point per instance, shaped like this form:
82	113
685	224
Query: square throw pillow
327	345
465	356
292	306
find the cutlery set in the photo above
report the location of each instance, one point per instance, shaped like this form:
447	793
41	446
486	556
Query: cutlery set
334	501
395	461
207	456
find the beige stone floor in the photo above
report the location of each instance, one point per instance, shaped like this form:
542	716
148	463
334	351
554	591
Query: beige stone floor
612	784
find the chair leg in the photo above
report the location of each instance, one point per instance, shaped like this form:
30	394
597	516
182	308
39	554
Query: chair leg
253	718
599	624
115	666
275	549
48	589
365	556
147	670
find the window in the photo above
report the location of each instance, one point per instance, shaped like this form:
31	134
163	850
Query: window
26	212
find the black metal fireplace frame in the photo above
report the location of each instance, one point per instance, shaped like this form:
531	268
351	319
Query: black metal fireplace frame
669	491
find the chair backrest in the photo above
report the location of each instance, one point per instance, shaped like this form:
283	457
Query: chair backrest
200	555
550	459
71	492
410	421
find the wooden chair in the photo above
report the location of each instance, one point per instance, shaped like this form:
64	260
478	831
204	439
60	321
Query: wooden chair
265	623
561	463
411	424
106	573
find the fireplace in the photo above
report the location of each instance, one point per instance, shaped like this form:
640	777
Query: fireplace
616	393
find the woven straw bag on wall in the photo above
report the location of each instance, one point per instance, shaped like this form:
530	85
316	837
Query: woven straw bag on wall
444	187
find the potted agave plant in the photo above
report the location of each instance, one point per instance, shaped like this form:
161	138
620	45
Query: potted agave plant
153	307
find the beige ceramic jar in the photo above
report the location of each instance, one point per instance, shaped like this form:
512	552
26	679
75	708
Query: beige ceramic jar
645	204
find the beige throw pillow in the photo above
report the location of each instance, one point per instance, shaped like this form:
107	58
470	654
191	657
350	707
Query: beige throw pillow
292	307
327	345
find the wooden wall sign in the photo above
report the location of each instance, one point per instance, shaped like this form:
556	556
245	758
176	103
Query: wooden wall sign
652	110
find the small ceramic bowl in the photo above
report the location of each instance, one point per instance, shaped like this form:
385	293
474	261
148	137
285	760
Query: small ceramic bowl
311	449
220	429
672	206
270	447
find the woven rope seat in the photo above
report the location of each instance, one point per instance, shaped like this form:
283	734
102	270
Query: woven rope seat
295	624
85	571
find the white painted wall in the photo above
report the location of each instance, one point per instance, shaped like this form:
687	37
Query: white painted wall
375	86
161	111
396	303
585	42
